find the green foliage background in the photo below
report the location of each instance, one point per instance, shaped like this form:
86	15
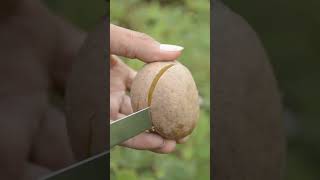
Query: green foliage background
185	23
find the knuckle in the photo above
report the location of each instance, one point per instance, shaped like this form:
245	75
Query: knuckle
134	42
143	36
128	48
129	51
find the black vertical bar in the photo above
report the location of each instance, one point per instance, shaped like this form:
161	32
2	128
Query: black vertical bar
94	161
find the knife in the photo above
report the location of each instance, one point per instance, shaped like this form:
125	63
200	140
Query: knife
95	167
129	126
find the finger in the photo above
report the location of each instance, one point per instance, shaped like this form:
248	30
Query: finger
132	44
145	141
115	102
131	74
114	107
113	61
119	116
126	107
169	146
183	140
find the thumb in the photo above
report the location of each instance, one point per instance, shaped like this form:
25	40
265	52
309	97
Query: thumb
132	44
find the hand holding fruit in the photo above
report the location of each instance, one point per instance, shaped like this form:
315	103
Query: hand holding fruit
131	44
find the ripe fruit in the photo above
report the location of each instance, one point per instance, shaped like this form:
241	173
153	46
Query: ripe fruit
170	91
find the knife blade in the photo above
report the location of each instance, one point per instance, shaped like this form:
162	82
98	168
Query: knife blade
120	131
90	168
129	126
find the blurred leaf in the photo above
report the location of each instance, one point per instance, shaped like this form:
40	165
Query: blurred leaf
126	175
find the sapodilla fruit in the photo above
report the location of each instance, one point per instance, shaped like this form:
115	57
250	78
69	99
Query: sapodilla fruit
171	93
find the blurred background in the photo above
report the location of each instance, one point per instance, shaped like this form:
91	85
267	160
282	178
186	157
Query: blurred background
185	23
289	30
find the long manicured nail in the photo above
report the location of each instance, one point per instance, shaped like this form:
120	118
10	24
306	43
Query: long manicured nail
169	47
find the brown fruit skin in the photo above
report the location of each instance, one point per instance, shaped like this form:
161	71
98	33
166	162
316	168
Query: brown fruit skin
174	105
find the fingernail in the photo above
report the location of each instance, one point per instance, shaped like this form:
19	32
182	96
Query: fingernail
169	47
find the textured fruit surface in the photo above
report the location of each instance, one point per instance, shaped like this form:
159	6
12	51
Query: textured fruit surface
170	91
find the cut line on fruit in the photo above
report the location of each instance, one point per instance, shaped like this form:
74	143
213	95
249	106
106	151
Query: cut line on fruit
155	81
